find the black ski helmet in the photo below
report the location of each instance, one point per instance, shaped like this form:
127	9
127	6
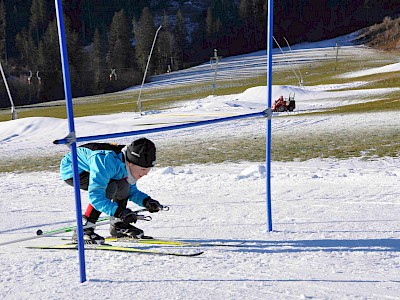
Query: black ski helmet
142	152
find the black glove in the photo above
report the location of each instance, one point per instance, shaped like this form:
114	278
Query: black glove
152	205
127	216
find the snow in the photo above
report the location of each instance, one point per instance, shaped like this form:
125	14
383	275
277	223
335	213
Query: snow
335	222
385	69
336	229
31	136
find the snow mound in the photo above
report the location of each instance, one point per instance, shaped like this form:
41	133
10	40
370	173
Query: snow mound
258	94
254	171
165	171
171	171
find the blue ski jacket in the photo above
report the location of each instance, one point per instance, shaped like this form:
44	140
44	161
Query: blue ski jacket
102	165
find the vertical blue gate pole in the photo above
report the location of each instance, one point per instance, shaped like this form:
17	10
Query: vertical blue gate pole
71	136
270	32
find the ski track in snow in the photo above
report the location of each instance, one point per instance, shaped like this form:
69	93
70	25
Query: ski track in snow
329	239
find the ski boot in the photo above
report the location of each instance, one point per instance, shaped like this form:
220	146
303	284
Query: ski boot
89	236
122	230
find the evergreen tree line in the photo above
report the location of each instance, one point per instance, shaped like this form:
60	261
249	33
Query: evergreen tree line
109	41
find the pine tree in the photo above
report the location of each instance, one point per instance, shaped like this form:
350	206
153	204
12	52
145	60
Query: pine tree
209	22
37	20
119	46
166	46
97	63
253	14
49	62
144	34
261	10
180	37
27	50
76	59
3	52
220	23
246	13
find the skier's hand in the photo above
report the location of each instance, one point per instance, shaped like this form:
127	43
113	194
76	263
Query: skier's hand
152	205
127	216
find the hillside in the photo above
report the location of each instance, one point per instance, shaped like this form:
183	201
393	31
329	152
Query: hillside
365	84
334	190
109	43
384	36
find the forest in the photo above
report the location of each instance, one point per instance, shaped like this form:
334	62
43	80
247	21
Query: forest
109	41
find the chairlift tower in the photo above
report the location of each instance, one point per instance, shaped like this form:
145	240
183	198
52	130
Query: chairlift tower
112	75
337	54
215	58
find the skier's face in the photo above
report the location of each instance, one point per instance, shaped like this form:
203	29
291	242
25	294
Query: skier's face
138	171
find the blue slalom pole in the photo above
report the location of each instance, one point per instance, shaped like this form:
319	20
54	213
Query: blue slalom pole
270	32
72	139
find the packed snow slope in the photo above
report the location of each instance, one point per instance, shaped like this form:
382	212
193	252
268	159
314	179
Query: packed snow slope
335	222
31	136
335	235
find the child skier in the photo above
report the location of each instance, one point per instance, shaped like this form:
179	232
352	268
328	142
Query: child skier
109	173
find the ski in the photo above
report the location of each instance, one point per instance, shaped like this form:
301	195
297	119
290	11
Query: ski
106	247
167	242
170	242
